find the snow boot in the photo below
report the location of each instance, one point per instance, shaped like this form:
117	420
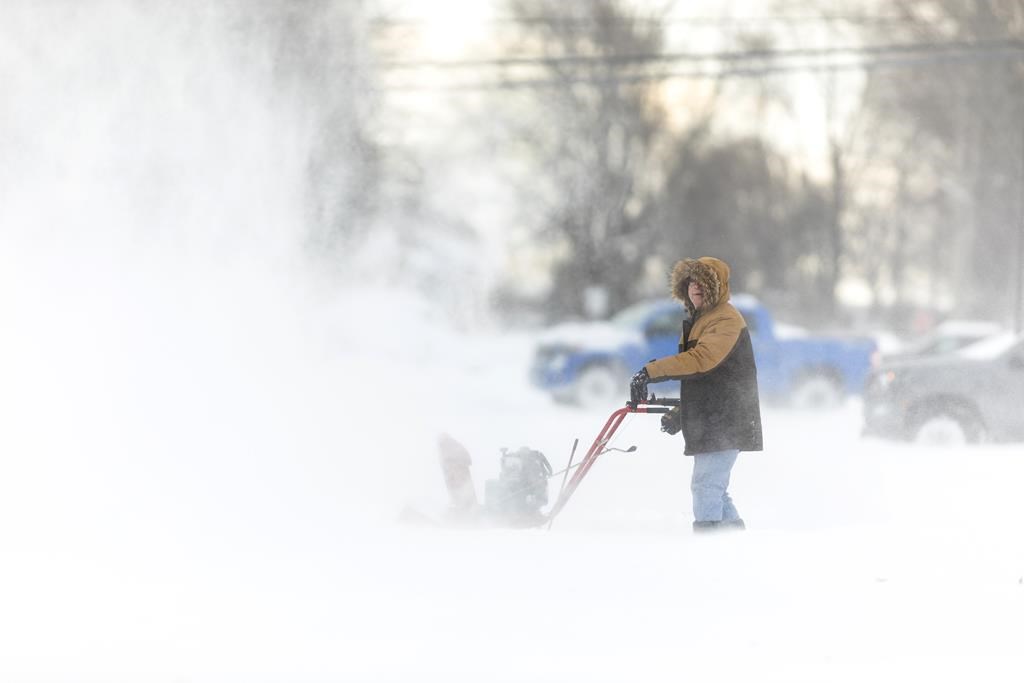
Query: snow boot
725	525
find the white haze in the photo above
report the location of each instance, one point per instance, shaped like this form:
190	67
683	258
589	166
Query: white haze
206	440
188	404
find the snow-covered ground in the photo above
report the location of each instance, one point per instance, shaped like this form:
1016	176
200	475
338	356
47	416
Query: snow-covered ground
205	445
238	522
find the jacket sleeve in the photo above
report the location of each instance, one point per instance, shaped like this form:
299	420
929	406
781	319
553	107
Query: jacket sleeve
713	346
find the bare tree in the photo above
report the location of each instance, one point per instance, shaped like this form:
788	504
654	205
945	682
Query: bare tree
591	134
744	199
961	123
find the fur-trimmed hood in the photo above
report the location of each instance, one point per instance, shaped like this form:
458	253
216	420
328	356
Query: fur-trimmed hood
710	273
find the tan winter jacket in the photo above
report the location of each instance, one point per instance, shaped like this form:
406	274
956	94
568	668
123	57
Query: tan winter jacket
719	407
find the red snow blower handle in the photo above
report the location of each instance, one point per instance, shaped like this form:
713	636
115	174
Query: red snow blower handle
652	405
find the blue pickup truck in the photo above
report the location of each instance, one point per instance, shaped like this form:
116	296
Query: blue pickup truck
589	364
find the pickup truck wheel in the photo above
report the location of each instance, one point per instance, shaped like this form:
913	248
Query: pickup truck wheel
816	392
600	386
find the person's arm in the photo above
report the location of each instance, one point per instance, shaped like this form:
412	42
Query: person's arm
714	345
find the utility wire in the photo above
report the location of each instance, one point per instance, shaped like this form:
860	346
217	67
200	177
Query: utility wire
389	22
737	56
857	62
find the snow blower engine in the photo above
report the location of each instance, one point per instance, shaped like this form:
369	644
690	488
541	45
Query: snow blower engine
520	490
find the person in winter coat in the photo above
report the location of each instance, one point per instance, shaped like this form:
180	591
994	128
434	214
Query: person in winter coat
719	412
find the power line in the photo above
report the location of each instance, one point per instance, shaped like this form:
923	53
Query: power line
738	56
396	22
880	61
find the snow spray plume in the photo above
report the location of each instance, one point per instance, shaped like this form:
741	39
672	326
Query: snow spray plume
172	374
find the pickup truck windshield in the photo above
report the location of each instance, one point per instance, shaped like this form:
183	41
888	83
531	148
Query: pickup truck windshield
632	317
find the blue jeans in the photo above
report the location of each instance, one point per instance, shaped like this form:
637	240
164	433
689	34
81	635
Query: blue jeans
709	485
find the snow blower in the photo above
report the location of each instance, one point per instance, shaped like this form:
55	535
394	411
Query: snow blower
516	497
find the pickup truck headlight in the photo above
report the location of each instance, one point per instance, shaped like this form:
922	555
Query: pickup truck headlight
557	362
554	359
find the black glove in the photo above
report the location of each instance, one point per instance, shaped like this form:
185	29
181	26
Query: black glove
638	386
672	422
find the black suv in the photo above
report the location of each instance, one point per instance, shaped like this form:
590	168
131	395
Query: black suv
974	394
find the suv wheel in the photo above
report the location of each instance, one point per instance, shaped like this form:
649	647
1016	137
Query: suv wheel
947	428
599	386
